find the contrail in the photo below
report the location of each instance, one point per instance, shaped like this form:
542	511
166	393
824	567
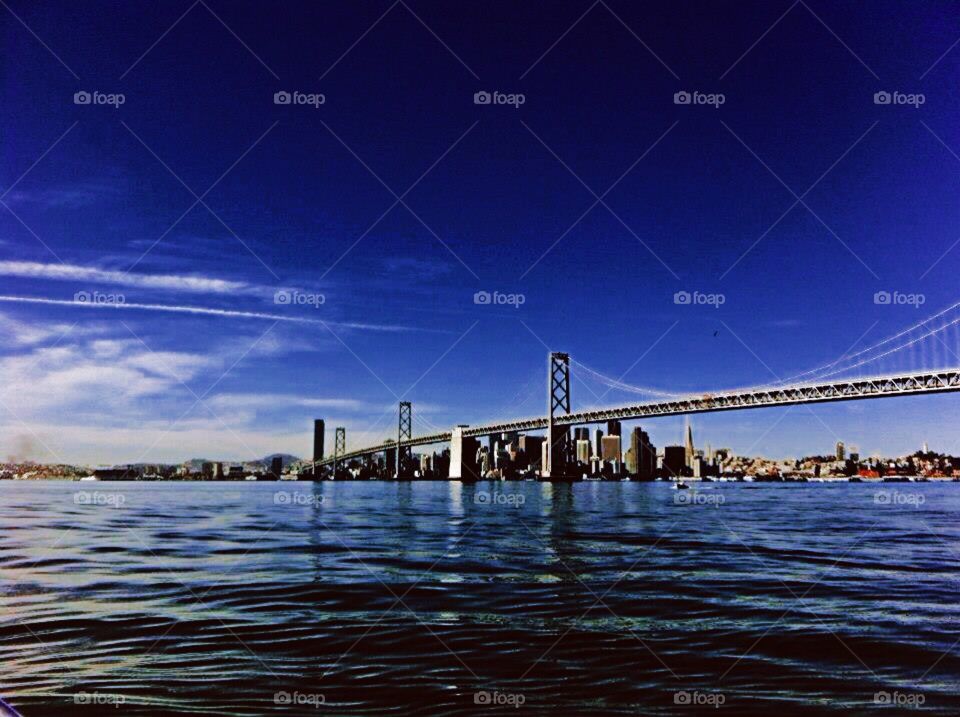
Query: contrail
203	311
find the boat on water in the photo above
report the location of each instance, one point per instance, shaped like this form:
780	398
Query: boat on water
680	485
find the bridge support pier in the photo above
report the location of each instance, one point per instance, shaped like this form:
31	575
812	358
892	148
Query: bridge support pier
339	448
463	456
404	431
558	402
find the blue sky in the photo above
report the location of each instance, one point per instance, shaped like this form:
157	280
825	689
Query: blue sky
399	198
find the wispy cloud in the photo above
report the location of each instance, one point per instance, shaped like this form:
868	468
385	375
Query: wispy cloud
93	275
206	311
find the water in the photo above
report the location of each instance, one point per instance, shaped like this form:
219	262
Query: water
410	598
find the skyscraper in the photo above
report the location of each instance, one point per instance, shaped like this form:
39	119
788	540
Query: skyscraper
643	455
841	451
611	448
673	461
318	429
613	428
689	453
276	466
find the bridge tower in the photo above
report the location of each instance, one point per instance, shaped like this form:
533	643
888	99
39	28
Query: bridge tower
404	431
558	391
339	447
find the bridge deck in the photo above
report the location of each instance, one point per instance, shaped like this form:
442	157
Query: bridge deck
846	390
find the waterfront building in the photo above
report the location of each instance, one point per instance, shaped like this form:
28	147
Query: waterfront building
318	433
841	451
643	455
531	447
689	454
674	461
611	448
583	451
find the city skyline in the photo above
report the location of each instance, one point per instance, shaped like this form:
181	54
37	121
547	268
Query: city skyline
293	263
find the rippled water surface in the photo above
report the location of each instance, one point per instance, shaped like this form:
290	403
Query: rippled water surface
412	598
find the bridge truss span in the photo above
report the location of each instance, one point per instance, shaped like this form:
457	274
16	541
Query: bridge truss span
904	384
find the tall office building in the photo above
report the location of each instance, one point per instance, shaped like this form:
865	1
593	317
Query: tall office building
689	453
276	466
611	449
674	461
531	447
598	450
318	429
841	451
643	455
583	452
613	428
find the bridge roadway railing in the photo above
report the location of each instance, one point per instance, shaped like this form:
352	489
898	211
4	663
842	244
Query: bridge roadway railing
938	381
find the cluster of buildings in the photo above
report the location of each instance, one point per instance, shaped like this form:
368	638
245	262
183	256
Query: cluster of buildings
191	470
579	453
511	455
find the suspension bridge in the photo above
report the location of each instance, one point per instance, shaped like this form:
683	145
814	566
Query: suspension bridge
884	369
